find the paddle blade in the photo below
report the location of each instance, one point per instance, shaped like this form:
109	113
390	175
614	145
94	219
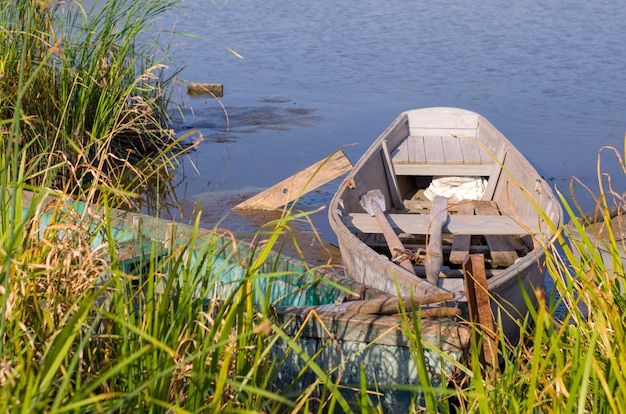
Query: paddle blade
373	200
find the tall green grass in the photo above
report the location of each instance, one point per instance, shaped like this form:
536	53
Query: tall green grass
86	93
572	347
82	109
81	332
85	329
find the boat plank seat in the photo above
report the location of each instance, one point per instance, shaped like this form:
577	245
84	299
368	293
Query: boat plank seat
502	247
462	242
445	154
457	224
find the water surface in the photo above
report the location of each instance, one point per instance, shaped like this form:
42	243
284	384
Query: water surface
315	76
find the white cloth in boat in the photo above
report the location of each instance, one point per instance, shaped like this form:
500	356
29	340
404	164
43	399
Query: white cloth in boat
456	188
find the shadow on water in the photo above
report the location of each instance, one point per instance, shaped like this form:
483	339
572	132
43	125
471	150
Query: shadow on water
215	209
220	125
227	124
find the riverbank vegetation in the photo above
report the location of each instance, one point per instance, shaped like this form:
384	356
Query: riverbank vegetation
84	95
82	330
85	329
573	345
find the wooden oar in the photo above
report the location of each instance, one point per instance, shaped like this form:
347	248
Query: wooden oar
434	253
373	202
392	305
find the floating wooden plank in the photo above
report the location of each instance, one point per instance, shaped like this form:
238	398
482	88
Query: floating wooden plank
299	184
457	224
501	247
462	242
479	307
216	90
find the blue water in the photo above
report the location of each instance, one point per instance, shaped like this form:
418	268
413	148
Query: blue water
551	75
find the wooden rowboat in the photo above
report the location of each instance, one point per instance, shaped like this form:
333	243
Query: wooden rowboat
422	164
343	325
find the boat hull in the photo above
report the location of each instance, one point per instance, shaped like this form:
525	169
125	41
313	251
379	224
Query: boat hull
424	144
309	304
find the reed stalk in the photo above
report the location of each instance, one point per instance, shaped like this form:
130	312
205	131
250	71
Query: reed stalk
572	344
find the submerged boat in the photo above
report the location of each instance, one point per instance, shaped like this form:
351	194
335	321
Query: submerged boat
342	325
438	185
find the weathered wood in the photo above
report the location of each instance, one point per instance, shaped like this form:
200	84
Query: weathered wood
366	328
299	184
472	150
215	90
396	132
443	131
440	312
417	152
457	224
478	302
374	203
434	252
501	246
462	242
443	169
393	241
410	245
393	305
494	175
434	150
452	150
420	206
431	119
457	273
392	180
517	188
417	206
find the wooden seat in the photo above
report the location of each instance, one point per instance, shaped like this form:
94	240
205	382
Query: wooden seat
457	224
502	247
444	154
478	218
462	242
443	169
